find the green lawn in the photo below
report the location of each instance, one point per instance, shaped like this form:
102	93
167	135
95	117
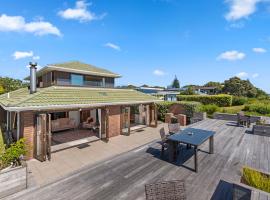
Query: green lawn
232	109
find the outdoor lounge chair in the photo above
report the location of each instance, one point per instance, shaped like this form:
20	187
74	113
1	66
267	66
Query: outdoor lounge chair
167	190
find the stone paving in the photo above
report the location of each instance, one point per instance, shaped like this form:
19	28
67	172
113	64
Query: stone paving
68	161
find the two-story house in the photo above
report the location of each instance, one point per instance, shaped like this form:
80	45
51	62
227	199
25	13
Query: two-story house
72	103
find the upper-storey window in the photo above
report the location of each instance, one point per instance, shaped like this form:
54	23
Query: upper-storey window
77	79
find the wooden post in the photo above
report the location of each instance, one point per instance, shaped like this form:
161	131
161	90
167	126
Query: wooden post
48	137
156	116
107	123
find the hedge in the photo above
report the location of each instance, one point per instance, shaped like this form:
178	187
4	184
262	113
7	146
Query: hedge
238	101
189	107
222	100
209	109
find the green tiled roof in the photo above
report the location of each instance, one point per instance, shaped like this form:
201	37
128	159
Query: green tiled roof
56	96
77	67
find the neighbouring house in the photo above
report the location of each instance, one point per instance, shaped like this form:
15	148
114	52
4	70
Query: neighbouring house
161	93
205	90
72	103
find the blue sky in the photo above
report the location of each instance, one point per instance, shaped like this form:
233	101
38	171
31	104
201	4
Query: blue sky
147	41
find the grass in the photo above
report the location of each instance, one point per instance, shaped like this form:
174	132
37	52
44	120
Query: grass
256	179
232	109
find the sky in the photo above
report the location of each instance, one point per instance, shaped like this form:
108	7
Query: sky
146	41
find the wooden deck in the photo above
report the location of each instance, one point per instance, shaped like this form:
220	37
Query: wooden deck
124	176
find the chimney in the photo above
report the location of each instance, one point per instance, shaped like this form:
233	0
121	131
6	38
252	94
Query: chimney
33	77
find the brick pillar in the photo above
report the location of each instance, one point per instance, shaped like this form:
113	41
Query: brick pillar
168	117
182	119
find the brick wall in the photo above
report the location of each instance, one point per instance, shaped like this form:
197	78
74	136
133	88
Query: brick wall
114	121
28	130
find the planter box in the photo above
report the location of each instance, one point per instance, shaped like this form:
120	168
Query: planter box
233	117
13	180
263	130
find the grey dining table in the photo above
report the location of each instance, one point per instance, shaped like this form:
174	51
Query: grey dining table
191	137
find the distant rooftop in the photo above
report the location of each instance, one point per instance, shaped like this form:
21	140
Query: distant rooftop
77	67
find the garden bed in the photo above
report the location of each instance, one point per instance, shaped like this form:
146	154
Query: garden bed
263	130
256	179
233	117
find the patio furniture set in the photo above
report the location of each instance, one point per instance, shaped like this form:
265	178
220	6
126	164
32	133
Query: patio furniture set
191	137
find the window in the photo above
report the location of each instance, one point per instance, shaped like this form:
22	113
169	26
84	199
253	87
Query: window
76	79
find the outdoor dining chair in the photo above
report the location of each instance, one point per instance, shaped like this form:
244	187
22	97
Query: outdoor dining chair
174	128
166	190
163	140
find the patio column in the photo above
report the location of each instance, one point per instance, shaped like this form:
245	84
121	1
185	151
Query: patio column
7	120
18	126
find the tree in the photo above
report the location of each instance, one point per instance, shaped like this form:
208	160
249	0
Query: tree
175	83
10	84
2	90
236	86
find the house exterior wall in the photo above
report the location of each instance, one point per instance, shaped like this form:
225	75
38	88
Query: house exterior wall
114	128
28	132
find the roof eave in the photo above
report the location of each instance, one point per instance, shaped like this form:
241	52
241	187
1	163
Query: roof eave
56	68
73	106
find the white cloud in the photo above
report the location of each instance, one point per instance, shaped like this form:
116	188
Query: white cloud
22	54
240	9
158	72
80	12
113	46
242	75
36	57
259	50
18	24
231	55
246	75
255	75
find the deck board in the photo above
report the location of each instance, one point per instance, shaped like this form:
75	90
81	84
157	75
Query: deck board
124	176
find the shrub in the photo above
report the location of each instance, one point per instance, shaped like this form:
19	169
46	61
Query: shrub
256	179
238	101
260	108
188	107
209	109
2	144
2	147
221	100
13	154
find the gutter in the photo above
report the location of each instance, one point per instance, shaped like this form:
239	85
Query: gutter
74	106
